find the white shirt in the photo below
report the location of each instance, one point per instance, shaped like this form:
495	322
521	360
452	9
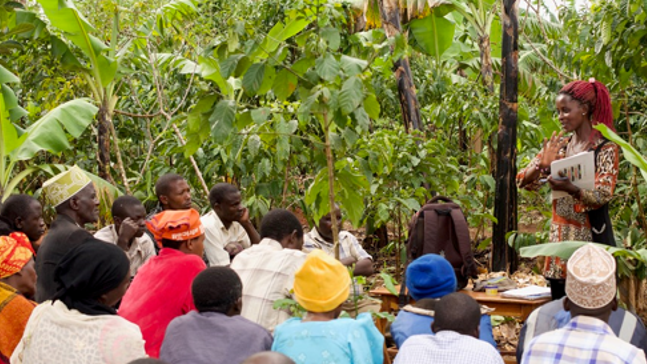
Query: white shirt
447	347
267	272
217	237
57	335
141	250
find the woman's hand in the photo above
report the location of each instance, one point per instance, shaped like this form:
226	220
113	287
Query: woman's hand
563	184
551	150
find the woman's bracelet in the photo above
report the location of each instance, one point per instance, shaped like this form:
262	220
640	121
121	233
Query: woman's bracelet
543	171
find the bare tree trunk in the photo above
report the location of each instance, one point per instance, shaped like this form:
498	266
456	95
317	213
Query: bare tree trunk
485	51
390	14
505	205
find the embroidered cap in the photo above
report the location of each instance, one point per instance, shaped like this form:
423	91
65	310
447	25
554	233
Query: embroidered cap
176	225
15	252
590	277
63	186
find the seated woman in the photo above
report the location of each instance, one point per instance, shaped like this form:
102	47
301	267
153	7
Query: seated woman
321	286
80	325
429	278
17	285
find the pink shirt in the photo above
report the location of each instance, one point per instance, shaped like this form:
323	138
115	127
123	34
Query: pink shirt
160	292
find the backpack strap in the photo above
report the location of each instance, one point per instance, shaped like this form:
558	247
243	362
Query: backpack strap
464	244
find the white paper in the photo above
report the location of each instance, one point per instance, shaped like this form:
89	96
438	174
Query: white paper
528	293
580	169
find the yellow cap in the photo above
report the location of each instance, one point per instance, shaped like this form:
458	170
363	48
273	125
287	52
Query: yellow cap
322	283
63	186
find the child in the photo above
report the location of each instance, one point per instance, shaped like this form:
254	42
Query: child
321	286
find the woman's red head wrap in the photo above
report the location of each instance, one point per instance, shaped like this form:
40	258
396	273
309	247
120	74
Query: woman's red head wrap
596	95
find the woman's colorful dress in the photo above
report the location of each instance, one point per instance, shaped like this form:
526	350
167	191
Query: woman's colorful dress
570	219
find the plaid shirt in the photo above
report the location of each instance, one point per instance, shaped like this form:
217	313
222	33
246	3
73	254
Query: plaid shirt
267	272
446	347
348	245
583	340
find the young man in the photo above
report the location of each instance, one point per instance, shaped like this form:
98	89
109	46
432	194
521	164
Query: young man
227	227
17	284
25	214
128	231
455	341
429	278
173	192
73	196
590	298
161	290
213	334
268	357
350	250
350	253
267	269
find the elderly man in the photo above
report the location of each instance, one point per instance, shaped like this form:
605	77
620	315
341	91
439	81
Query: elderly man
590	298
25	214
73	196
227	227
128	231
17	283
267	269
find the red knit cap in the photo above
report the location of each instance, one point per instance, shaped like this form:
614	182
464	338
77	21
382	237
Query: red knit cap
596	95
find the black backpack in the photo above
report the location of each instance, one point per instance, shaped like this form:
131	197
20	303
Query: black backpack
441	228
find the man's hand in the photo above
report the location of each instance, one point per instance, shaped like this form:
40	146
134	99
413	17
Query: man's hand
244	216
233	249
127	232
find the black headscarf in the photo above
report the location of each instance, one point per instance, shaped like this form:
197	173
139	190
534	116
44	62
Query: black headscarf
89	271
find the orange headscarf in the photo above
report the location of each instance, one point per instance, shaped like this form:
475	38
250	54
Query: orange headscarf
15	252
176	225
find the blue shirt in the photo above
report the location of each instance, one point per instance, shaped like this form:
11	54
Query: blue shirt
584	340
408	324
344	340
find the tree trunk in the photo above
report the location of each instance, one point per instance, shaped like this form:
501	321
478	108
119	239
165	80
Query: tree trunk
103	141
505	205
485	51
390	14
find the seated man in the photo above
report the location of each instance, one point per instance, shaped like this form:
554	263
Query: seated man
590	298
216	333
267	269
553	316
75	199
268	357
429	278
350	253
161	290
128	231
17	284
227	227
455	339
173	193
25	214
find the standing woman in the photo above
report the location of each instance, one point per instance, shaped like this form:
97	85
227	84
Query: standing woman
583	215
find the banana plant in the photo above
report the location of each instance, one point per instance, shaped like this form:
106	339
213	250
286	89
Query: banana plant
103	60
49	134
